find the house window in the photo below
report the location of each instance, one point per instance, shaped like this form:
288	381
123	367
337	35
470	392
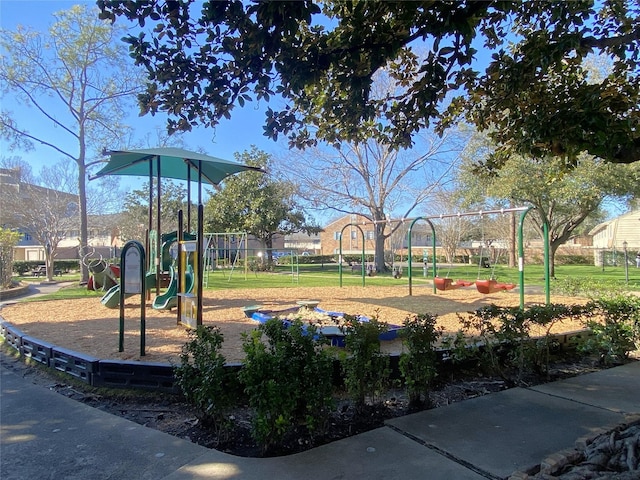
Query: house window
336	235
354	235
370	234
26	236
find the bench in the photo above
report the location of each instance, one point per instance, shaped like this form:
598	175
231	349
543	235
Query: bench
356	268
39	270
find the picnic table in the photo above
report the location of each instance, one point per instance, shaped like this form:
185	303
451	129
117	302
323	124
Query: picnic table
41	270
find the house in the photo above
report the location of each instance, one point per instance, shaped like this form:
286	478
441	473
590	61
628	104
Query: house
22	201
614	233
349	227
619	234
303	242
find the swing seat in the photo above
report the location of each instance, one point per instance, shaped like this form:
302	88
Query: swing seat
492	286
448	283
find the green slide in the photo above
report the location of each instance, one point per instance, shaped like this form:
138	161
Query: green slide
169	299
111	299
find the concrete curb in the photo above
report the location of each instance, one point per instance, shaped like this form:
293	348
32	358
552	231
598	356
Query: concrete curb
22	289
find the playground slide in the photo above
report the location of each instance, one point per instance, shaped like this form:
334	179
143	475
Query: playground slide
169	299
111	299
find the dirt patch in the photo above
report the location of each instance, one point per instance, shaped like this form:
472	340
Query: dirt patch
86	326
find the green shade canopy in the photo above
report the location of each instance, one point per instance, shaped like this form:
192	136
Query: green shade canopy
174	163
178	164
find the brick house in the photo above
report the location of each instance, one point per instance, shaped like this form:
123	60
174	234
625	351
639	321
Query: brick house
349	226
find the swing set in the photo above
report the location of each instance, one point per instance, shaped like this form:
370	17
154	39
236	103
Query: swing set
447	283
483	285
490	285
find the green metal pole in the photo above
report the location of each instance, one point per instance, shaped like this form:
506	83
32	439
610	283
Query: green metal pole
435	263
433	243
547	270
340	258
410	258
363	273
143	305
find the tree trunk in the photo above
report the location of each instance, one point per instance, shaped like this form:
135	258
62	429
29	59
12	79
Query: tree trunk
48	260
268	250
379	247
84	230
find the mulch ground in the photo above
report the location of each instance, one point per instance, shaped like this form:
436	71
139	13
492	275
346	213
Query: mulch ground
85	325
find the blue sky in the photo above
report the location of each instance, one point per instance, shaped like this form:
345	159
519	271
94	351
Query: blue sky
238	134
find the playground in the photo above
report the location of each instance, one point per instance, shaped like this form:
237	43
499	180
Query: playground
175	261
87	326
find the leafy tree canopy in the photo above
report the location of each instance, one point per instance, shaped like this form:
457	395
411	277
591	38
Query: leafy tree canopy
564	200
135	214
204	59
255	203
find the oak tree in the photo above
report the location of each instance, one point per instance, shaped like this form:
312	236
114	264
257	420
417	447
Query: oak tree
256	203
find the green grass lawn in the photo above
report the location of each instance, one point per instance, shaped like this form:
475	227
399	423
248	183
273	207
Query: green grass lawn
327	276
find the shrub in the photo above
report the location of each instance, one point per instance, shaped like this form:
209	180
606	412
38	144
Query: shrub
573	259
8	239
503	337
203	380
545	317
576	286
366	368
418	364
24	267
615	324
288	379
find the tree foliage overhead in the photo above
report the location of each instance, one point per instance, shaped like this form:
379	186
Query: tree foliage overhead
205	59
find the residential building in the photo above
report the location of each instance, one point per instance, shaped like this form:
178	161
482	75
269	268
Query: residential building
354	227
301	242
618	234
22	201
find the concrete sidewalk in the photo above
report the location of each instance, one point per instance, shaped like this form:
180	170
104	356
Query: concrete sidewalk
46	435
32	289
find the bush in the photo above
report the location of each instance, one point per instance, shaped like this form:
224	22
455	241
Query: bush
288	380
573	259
306	259
501	338
366	368
546	316
584	286
203	379
418	364
615	324
24	267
